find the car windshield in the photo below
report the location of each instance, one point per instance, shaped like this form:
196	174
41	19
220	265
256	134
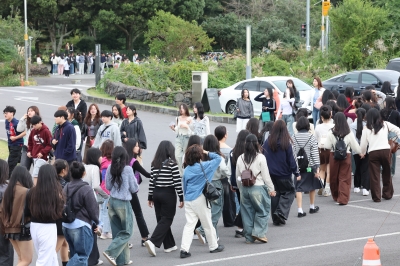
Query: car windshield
300	85
390	76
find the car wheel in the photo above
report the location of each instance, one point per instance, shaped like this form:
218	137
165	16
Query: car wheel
230	107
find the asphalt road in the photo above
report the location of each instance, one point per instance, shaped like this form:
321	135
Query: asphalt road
334	236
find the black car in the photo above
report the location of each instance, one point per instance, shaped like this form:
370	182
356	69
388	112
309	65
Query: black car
359	79
394	64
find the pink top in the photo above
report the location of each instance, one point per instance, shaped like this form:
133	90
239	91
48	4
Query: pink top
104	165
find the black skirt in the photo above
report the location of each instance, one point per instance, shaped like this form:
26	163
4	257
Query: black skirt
308	182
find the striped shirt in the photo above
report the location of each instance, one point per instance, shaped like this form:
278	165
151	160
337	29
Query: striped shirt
169	177
311	148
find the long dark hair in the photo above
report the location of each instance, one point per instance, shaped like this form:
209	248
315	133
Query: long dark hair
4	172
341	128
326	96
211	144
342	102
268	126
119	160
164	151
21	175
129	146
28	119
386	88
194	139
251	148
279	136
200	110
120	115
374	120
349	92
390	106
293	87
185	109
46	198
239	146
88	117
92	157
360	118
242	93
252	126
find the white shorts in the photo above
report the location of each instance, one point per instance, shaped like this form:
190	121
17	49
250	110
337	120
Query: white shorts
37	163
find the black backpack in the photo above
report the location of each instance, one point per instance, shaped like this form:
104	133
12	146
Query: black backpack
69	212
302	158
340	149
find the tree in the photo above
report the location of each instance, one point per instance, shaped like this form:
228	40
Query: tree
12	28
173	38
189	9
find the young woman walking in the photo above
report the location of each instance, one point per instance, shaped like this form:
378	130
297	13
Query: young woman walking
91	125
6	250
244	110
182	127
361	175
318	91
268	104
340	170
11	211
253	126
201	122
287	109
106	151
375	136
255	200
321	133
133	150
46	203
282	165
165	184
24	125
308	181
121	183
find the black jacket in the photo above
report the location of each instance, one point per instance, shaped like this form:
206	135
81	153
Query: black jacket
135	130
82	107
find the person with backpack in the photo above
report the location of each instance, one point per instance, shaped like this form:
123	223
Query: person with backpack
6	250
81	216
256	188
341	140
305	146
121	182
361	175
375	137
108	130
165	184
133	150
282	164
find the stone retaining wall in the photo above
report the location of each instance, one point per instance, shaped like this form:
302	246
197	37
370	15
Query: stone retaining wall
175	98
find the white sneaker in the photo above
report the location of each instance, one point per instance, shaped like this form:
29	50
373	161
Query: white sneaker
168	250
356	190
99	262
195	237
106	236
327	192
130	246
129	263
110	259
365	192
150	248
201	238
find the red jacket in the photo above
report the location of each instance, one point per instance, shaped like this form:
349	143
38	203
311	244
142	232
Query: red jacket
40	142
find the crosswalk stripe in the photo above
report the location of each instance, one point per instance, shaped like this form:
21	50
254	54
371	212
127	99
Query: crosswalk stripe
79	85
35	89
15	91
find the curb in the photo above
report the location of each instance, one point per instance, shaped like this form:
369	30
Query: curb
154	109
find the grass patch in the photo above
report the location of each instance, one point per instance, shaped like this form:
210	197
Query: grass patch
3	149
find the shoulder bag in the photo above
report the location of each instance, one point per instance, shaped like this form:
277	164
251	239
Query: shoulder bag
210	192
25	227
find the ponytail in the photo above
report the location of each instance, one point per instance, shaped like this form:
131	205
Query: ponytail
360	117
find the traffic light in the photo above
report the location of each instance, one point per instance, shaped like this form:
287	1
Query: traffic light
303	30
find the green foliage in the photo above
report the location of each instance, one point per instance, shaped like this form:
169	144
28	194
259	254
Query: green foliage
189	9
13	28
9	80
173	38
86	44
352	55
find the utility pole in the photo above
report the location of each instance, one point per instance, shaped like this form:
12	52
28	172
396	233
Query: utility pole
326	4
26	41
248	52
308	48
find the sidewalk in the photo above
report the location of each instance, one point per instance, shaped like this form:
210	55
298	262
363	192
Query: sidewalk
87	79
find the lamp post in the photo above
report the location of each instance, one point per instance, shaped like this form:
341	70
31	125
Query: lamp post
26	40
248	52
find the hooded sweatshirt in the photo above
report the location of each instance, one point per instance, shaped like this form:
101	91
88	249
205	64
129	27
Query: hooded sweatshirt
66	137
193	178
134	129
105	132
40	142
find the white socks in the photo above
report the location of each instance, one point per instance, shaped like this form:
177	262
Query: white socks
312	206
300	210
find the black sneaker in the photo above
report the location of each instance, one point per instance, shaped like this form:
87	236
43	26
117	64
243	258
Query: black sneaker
218	249
239	234
315	210
185	254
301	214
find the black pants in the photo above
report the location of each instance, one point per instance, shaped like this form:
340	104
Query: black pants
66	72
137	210
361	176
285	193
6	252
14	157
94	255
229	208
164	199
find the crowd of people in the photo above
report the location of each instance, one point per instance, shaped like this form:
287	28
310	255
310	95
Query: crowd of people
86	170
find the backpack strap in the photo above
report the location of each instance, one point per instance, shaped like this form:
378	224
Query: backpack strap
73	193
159	170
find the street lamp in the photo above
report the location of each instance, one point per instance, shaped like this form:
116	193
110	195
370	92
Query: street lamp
26	40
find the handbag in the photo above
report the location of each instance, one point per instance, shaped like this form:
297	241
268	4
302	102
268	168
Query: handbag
394	146
210	192
265	116
25	227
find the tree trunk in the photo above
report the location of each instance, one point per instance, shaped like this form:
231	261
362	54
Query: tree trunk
63	33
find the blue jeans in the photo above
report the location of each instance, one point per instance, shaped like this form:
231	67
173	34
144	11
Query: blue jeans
104	216
255	207
289	119
216	207
55	68
80	242
71	69
315	115
121	220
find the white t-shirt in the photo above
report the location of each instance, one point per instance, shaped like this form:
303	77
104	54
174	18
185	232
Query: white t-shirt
321	133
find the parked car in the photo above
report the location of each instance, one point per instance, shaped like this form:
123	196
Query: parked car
394	64
359	79
229	96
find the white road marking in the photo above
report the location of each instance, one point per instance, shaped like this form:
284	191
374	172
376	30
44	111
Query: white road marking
373	209
58	87
15	91
27	98
288	249
79	85
368	199
29	101
36	89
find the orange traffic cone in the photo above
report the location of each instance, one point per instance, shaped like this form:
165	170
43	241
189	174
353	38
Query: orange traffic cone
372	255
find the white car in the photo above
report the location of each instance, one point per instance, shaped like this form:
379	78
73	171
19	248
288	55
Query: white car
229	96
